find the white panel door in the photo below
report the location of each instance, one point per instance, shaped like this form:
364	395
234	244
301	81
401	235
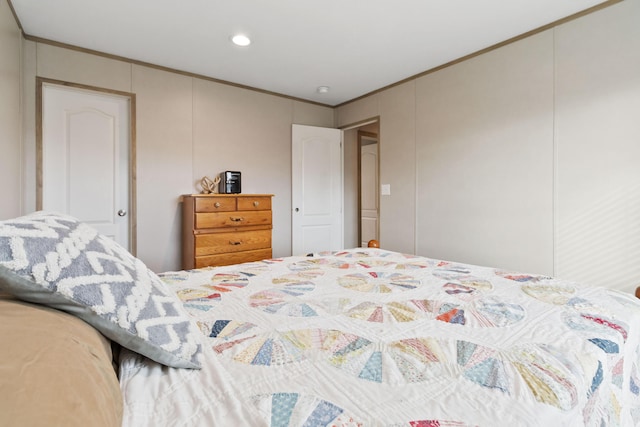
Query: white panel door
317	189
369	193
85	158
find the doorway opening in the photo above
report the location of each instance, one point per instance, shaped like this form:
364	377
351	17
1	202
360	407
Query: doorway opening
362	172
368	184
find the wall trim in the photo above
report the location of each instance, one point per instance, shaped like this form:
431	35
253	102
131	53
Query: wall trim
241	86
489	49
163	68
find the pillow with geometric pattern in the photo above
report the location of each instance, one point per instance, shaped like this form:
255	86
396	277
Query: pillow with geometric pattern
58	261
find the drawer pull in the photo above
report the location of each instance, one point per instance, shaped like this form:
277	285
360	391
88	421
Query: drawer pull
256	203
236	218
216	204
236	243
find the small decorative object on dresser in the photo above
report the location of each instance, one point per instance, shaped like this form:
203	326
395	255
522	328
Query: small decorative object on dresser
208	185
223	229
230	182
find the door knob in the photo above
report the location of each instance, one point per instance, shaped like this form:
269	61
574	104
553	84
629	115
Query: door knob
122	212
297	209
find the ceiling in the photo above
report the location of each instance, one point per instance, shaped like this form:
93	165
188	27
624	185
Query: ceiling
352	46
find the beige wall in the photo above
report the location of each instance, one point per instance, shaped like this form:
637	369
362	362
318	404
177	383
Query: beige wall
10	116
186	128
350	204
524	158
485	158
398	167
597	131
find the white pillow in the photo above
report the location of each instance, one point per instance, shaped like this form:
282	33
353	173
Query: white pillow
55	260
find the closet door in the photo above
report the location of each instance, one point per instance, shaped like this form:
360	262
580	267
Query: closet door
85	160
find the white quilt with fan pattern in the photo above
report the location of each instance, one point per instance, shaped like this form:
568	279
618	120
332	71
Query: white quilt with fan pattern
368	337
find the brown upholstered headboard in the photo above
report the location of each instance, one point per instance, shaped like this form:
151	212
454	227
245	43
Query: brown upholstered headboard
55	369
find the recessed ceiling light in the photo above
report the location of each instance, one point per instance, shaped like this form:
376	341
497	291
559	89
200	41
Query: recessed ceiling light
323	89
241	40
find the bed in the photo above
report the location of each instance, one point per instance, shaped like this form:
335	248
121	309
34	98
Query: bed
371	337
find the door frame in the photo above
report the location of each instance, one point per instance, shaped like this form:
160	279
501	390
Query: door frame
360	135
357	125
40	82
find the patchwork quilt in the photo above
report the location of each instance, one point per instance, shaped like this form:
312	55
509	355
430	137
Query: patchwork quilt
368	337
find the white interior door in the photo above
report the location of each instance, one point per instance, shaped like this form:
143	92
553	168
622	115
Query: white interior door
317	189
86	158
369	192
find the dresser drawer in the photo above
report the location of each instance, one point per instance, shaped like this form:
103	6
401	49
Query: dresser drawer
224	229
254	203
218	243
215	204
232	258
232	219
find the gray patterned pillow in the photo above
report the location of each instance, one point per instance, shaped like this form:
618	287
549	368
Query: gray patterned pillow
56	260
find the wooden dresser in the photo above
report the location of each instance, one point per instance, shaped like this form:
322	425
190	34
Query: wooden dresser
223	229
